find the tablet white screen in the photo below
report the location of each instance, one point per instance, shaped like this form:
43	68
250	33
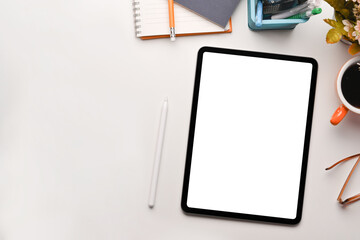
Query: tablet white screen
249	135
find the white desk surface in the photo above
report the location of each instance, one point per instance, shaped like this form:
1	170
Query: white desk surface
80	102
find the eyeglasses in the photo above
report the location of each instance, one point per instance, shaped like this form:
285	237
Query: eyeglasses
355	197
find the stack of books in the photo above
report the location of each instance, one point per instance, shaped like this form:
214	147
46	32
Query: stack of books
192	17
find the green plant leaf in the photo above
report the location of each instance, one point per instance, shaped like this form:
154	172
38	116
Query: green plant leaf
354	48
331	22
349	6
337	4
338	25
333	36
338	17
345	12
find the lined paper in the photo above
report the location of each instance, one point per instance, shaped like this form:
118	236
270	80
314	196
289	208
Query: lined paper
153	19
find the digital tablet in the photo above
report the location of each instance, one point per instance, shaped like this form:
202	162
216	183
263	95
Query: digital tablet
249	135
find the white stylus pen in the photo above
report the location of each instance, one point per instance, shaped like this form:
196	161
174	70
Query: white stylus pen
158	152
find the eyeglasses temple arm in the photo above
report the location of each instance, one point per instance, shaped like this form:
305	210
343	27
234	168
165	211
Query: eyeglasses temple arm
346	182
343	160
352	199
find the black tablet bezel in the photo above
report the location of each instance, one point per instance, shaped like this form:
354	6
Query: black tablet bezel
192	131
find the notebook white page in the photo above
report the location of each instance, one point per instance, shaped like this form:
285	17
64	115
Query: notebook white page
152	18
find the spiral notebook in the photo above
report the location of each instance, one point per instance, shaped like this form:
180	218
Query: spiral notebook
152	21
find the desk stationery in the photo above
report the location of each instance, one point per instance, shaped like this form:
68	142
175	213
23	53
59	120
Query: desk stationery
80	102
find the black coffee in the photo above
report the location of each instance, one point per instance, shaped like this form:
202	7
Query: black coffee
350	85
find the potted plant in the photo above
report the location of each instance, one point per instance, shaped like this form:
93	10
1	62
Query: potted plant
346	25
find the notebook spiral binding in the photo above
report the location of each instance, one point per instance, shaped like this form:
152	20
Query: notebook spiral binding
137	20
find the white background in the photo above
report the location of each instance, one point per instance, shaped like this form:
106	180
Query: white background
249	135
80	104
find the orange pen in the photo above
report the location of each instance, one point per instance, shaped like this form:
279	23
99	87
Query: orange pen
171	20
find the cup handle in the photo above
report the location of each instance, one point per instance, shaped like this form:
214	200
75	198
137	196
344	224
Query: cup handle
339	114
